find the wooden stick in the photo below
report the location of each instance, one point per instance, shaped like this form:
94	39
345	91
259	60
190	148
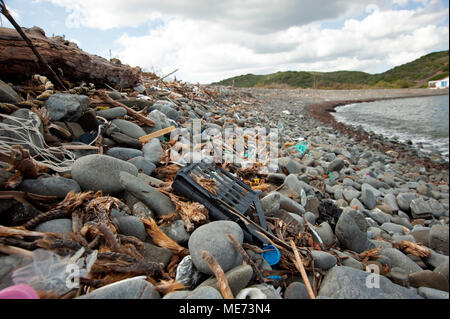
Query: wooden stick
11	250
146	138
144	120
30	44
80	147
247	259
11	231
299	265
220	275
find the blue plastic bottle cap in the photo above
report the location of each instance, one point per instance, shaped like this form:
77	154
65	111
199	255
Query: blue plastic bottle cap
271	254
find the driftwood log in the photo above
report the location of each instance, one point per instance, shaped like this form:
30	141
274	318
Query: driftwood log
18	63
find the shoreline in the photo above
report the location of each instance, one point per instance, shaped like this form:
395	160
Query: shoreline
321	111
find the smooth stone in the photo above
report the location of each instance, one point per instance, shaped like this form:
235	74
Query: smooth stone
7	94
381	243
399	277
312	205
352	263
132	226
436	259
157	254
392	228
143	165
326	233
131	288
251	293
335	165
101	172
391	201
276	178
59	225
437	209
430	293
398	238
141	210
350	194
421	236
368	198
291	205
420	208
351	231
259	260
153	151
404	200
112	113
430	279
205	292
213	238
439	239
159	203
176	231
401	221
67	106
342	282
443	269
271	204
355	203
50	186
123	153
182	294
237	278
129	128
290	165
296	290
268	290
294	184
310	218
166	107
323	260
75	128
343	203
125	140
399	259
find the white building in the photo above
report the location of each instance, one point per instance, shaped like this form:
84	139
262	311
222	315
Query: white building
439	84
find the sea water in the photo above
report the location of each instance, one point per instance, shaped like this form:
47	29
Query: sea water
423	120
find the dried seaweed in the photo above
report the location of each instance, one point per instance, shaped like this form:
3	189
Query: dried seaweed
412	248
207	183
167	286
161	239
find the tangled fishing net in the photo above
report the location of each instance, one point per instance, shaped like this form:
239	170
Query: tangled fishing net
26	132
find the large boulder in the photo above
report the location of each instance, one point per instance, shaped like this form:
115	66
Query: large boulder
342	282
101	172
65	106
351	230
213	238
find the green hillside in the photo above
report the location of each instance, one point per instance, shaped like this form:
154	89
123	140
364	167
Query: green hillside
432	66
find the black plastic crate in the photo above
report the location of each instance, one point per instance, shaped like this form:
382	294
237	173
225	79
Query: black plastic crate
227	196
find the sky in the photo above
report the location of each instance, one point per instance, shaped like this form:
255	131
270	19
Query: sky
210	40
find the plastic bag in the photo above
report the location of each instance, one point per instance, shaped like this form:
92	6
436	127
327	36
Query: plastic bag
53	273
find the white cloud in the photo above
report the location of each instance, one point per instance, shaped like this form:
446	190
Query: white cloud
212	40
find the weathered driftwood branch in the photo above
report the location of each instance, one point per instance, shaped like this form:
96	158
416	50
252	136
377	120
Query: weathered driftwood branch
222	281
247	259
299	265
8	16
18	63
137	116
